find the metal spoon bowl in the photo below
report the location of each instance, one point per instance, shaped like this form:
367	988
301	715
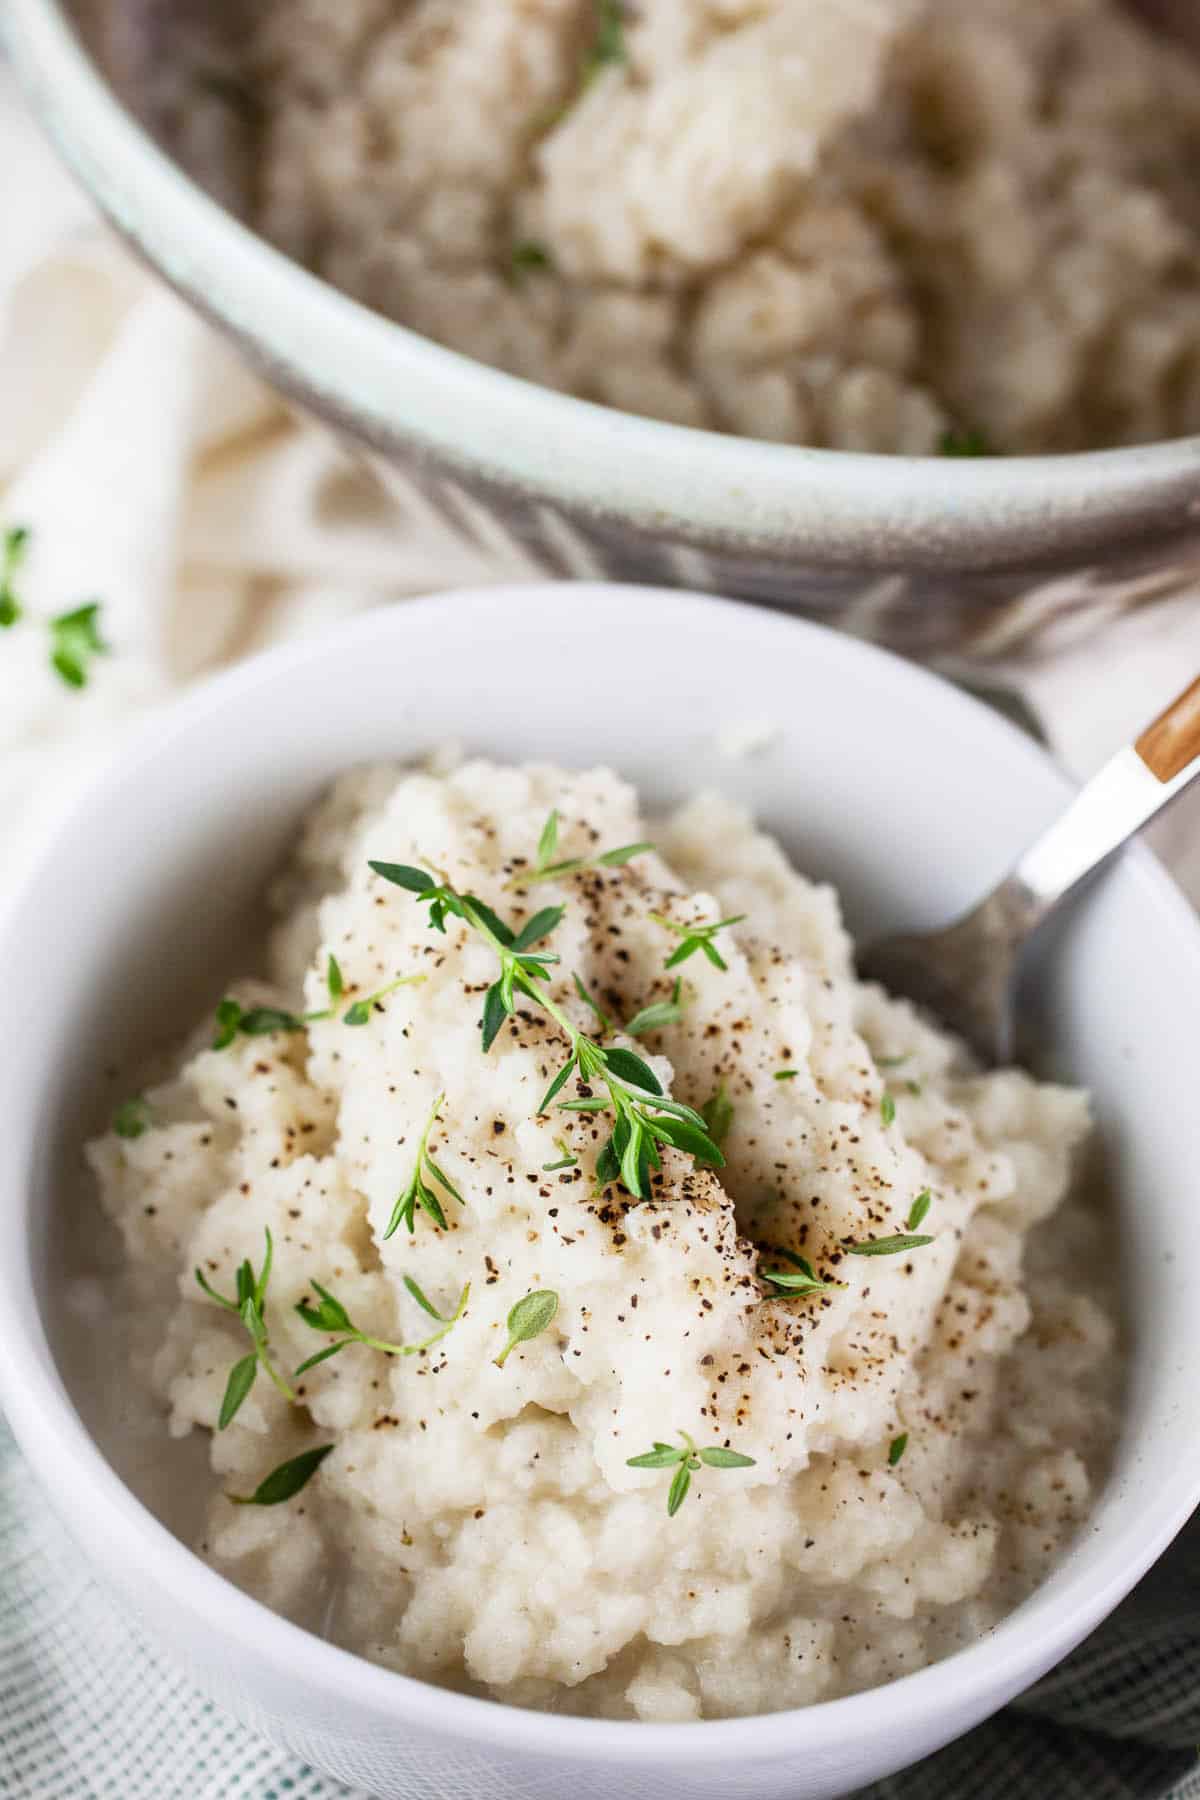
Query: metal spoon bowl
966	973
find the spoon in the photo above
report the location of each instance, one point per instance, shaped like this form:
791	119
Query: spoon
965	973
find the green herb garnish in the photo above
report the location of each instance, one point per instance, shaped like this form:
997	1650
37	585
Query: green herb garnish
528	1319
685	1462
546	869
608	44
359	1012
662	1012
696	937
962	441
603	1022
717	1113
132	1117
887	1108
896	1449
888	1246
528	257
285	1481
331	1316
419	1189
232	1020
644	1117
74	640
565	1161
13	546
918	1209
892	1062
785	1074
249	1307
801	1278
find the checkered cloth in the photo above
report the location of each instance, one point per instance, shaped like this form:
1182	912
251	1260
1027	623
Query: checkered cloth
83	1698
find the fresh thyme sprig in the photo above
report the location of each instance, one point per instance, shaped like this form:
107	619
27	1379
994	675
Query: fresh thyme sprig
717	1113
232	1020
644	1117
545	868
331	1316
249	1307
418	1190
685	1462
286	1481
13	547
528	1319
801	1278
696	937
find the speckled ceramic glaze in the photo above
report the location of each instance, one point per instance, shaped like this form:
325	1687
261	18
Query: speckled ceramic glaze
947	559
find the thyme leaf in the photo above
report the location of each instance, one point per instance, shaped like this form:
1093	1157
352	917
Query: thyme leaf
565	1161
961	440
658	1014
74	640
888	1246
717	1113
132	1117
528	1319
608	43
546	869
13	547
419	1189
359	1011
686	1459
918	1209
249	1304
696	937
528	257
285	1481
801	1278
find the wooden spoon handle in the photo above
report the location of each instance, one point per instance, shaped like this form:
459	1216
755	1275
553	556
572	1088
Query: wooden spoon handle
1173	740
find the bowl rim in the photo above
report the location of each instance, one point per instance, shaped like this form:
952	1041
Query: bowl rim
54	1437
400	391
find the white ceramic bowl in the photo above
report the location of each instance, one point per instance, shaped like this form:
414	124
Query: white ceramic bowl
965	557
908	795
